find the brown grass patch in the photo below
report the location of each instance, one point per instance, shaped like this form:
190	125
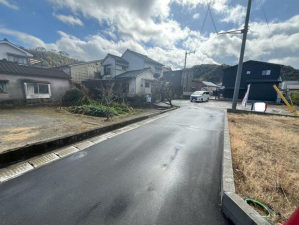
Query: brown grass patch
265	152
19	129
19	137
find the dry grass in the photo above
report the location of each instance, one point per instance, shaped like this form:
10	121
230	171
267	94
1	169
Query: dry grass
19	136
265	152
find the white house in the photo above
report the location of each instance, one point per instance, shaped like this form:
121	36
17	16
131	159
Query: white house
112	66
139	61
137	81
136	69
13	53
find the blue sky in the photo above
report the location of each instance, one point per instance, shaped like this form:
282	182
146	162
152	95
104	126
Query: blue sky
162	29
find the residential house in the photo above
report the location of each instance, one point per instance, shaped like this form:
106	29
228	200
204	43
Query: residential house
13	53
175	78
83	70
112	66
139	61
191	85
137	81
28	84
135	69
261	75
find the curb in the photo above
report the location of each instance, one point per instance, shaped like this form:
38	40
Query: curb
238	111
16	155
232	205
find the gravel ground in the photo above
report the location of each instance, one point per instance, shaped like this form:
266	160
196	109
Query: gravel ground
29	125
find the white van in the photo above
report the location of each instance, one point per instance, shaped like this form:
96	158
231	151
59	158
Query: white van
200	96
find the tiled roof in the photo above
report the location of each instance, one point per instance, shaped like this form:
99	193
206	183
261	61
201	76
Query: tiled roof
16	69
209	84
146	58
132	73
118	59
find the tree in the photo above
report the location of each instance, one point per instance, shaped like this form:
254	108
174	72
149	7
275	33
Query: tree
110	91
164	90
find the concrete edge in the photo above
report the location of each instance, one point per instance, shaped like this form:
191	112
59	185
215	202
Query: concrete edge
232	205
26	152
239	111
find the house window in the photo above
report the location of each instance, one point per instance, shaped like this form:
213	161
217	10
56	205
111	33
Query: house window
107	69
3	87
147	84
141	84
19	60
266	72
158	69
248	72
37	90
124	68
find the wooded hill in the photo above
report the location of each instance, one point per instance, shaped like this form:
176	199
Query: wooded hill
209	72
52	59
213	73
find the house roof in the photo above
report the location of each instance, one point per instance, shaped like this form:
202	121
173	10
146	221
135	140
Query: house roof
263	80
293	86
80	63
5	41
13	68
255	62
147	59
132	73
209	84
117	58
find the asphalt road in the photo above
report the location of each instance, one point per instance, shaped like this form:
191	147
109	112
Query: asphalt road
164	172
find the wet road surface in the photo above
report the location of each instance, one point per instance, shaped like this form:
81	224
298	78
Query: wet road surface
164	172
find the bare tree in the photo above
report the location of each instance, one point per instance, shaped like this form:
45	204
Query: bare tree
164	90
111	91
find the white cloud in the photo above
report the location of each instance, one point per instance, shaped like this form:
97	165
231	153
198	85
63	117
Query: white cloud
294	61
137	26
195	16
235	14
69	20
9	5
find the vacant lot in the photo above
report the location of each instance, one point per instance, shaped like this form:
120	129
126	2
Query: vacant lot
26	126
265	152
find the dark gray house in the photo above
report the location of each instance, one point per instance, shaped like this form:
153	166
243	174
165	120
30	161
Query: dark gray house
175	77
261	75
30	84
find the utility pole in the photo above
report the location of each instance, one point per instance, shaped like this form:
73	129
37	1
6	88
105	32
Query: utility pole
186	83
239	72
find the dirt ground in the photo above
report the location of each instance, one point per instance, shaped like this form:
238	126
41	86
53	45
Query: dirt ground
265	151
25	126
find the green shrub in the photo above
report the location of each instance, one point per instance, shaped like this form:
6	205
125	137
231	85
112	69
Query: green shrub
98	110
295	97
73	96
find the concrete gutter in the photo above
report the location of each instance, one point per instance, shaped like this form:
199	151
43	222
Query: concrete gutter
233	206
257	113
15	155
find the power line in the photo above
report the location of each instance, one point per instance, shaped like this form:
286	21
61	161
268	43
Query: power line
203	24
209	9
270	33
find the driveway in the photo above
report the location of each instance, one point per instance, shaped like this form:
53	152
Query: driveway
164	172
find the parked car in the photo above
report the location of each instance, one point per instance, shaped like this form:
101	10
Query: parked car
200	96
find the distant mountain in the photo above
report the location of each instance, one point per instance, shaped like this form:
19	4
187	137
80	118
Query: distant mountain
290	73
209	72
52	59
